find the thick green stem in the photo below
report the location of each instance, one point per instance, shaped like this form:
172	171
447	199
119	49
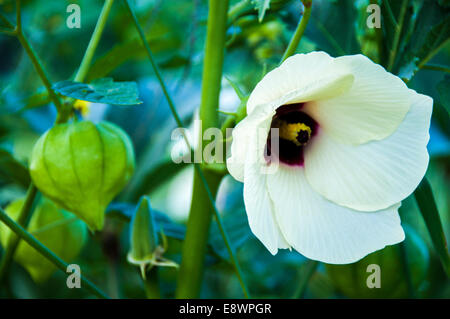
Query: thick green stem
295	40
22	220
93	43
199	172
47	253
194	248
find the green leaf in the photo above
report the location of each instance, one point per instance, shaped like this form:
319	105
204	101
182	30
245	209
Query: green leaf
103	90
443	89
38	99
12	170
332	27
261	6
428	30
427	206
133	49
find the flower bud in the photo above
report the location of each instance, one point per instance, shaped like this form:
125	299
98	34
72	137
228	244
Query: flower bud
82	166
56	228
144	249
143	237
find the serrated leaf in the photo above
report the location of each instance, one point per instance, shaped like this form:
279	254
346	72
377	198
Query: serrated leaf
12	170
428	208
261	6
103	90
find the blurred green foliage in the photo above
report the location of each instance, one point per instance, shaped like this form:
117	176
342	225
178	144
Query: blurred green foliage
256	39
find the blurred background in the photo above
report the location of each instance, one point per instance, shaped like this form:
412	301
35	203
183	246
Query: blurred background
176	31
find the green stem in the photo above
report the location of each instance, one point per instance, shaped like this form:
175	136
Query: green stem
5	20
432	53
93	43
295	40
379	40
308	270
22	220
398	31
200	215
63	115
435	67
151	284
45	252
201	179
239	9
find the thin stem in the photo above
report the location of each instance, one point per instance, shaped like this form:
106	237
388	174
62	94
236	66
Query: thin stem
390	13
435	67
93	43
18	16
379	40
45	252
429	56
432	53
43	75
63	114
13	242
308	270
295	40
239	9
398	32
5	20
151	284
201	181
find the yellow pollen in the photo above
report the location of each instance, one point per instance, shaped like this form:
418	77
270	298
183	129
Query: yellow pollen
290	131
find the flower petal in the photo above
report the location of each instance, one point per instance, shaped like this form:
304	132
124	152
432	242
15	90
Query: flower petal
371	110
324	231
257	202
377	174
301	78
242	134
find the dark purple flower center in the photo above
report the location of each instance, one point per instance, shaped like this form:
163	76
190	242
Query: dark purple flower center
296	128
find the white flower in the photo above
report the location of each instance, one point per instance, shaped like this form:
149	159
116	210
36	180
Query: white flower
352	146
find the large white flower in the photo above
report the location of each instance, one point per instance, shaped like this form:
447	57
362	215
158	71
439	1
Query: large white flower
352	146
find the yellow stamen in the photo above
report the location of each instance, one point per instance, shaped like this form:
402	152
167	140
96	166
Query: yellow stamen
290	131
